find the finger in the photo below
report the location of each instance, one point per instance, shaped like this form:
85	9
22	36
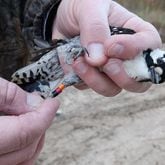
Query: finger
33	159
94	29
95	79
81	86
17	157
13	100
65	24
115	70
128	46
18	132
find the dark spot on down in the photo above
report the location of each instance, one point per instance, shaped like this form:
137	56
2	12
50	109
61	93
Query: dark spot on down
31	74
24	75
17	75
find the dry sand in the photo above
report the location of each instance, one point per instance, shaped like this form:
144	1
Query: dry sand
128	129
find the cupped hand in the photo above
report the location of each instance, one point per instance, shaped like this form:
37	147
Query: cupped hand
22	128
91	19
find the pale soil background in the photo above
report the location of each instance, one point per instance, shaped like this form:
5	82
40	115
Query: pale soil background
128	129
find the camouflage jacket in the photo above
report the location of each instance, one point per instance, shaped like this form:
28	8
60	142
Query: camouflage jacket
22	22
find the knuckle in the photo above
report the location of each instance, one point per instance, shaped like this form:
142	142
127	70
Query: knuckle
11	93
115	92
30	152
110	92
142	87
81	68
27	133
127	85
158	41
132	86
24	137
3	90
96	24
96	28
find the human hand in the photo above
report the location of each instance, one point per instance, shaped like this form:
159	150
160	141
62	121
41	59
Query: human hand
91	19
22	133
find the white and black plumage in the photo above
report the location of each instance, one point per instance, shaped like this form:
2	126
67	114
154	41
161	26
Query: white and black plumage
46	73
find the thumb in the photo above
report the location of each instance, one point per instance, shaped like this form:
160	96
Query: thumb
129	46
26	128
15	101
94	29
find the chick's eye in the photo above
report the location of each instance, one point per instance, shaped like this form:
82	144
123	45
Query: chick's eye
70	50
159	61
73	49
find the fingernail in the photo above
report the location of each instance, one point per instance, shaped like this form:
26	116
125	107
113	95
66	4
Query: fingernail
95	50
116	50
111	68
34	100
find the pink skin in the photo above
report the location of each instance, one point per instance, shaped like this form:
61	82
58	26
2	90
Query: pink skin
22	133
91	19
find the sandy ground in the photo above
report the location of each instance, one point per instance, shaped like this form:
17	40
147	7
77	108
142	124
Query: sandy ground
128	129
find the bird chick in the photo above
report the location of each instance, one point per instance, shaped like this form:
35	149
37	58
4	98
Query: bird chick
51	73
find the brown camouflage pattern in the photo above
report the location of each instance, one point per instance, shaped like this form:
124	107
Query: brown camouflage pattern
17	16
